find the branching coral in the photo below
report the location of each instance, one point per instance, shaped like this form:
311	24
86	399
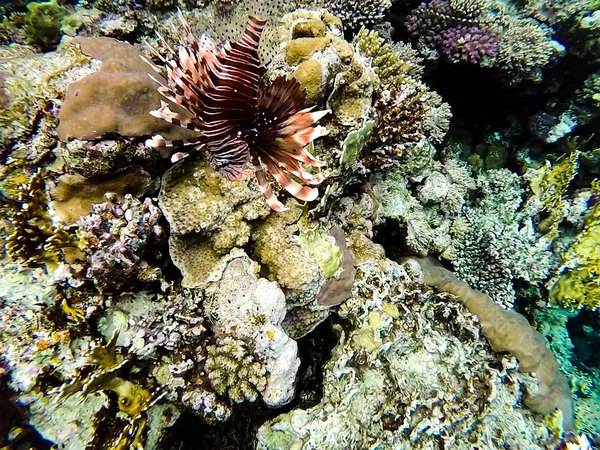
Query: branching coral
579	284
454	29
526	47
392	63
406	114
358	13
35	240
234	371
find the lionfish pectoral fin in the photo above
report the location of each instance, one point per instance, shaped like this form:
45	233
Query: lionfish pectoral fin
265	188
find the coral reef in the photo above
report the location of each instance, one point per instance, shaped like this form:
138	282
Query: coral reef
357	14
508	330
307	305
577	286
251	309
406	374
119	235
519	46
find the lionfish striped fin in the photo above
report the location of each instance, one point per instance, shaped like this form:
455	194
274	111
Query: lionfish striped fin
299	191
165	113
265	188
159	141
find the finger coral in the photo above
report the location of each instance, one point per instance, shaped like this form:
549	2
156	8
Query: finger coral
233	370
238	117
35	240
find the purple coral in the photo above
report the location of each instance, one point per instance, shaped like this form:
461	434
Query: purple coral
428	20
119	235
457	37
468	44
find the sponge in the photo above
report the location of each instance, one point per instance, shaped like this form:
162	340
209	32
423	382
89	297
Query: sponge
509	331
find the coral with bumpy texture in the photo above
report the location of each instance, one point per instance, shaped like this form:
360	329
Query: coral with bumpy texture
469	43
119	236
233	370
411	372
526	48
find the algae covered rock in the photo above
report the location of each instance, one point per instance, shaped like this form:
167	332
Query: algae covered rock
411	370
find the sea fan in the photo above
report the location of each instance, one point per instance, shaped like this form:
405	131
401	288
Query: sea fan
239	118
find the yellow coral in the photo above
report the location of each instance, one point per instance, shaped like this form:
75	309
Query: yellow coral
579	286
389	65
551	185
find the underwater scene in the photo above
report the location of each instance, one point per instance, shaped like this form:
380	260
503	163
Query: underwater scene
300	225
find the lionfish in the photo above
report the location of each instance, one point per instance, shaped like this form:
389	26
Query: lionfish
239	117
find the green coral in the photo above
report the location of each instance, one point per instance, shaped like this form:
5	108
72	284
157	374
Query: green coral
43	22
354	143
579	285
327	255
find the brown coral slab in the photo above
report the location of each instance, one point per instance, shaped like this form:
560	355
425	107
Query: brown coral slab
115	99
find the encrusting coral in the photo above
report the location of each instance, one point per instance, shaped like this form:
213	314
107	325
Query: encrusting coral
509	330
115	99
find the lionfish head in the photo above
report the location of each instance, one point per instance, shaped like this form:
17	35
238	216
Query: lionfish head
239	118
